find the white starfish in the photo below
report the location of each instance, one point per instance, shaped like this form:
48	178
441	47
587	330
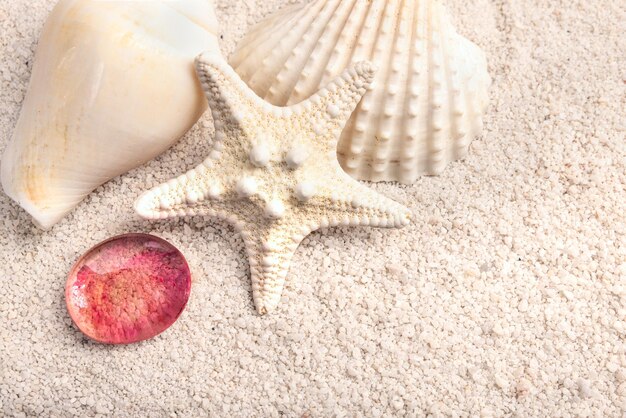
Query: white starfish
273	173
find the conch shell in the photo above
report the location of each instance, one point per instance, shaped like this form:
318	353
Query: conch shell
113	86
428	96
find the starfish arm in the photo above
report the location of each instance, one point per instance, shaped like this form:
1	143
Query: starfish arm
197	192
332	105
270	252
349	202
229	97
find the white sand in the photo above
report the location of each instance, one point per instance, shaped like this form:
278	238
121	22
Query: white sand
506	296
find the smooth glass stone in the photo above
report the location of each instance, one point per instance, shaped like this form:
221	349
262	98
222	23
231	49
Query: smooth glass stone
128	288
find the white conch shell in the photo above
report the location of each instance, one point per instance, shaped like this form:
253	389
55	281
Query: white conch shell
113	86
428	96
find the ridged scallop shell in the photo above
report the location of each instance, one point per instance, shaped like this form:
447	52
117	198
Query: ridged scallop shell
112	86
428	96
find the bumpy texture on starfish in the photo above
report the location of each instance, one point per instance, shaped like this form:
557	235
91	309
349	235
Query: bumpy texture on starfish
273	173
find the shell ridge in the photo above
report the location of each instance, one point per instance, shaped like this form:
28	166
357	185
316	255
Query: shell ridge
321	55
258	77
294	66
441	140
431	112
255	38
280	53
349	164
406	172
372	115
422	102
389	106
255	75
360	118
353	51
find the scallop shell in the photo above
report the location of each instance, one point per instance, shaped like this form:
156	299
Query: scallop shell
112	86
428	96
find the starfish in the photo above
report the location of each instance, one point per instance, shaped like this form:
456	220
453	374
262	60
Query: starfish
273	173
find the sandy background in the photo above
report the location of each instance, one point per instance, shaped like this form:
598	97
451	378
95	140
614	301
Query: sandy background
506	296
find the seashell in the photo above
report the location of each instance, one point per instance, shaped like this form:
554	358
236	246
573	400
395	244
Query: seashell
112	86
428	96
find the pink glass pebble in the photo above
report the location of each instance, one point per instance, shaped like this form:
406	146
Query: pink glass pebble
128	288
